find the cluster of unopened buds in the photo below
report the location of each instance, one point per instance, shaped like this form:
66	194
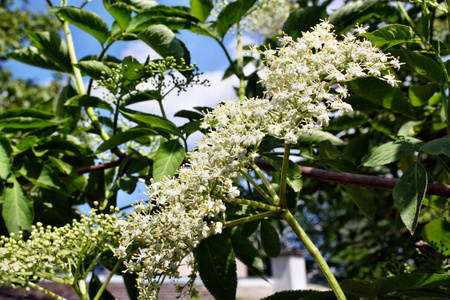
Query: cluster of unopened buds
302	80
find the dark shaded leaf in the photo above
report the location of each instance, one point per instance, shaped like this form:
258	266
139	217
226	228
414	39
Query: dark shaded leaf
270	240
89	101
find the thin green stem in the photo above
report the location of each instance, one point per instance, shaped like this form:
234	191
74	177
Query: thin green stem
258	188
240	63
103	287
283	179
314	252
47	292
79	85
266	183
255	204
260	216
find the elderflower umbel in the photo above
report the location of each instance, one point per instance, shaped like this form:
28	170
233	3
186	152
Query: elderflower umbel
302	80
56	253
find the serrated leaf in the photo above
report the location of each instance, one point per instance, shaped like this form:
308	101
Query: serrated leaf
319	136
140	5
425	66
391	35
437	146
62	166
41	175
26	123
270	240
32	56
201	9
246	252
303	19
408	194
381	93
120	11
89	101
217	266
153	121
53	47
437	234
17	208
231	14
123	137
168	159
416	283
390	152
351	11
95	69
174	18
6	157
164	42
357	287
364	199
85	20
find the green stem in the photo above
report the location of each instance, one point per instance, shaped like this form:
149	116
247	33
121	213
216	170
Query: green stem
47	292
260	216
79	85
240	63
266	182
283	179
103	287
314	252
258	188
255	204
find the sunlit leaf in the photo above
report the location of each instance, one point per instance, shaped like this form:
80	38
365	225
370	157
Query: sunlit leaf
168	159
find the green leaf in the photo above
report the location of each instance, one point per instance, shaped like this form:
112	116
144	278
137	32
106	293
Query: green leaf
26	123
95	285
294	176
391	151
419	95
128	184
246	252
231	14
201	9
303	19
32	56
437	234
348	13
123	137
391	35
425	66
168	159
95	69
217	266
85	20
140	5
174	18
62	166
6	157
120	11
289	295
381	93
437	146
357	287
270	240
364	199
408	194
417	284
41	175
153	121
17	209
164	42
53	47
89	101
319	136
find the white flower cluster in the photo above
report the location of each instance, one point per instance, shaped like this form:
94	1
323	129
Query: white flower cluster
301	79
273	12
57	253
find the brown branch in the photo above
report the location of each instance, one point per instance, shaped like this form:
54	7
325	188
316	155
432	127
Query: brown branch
321	175
357	179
